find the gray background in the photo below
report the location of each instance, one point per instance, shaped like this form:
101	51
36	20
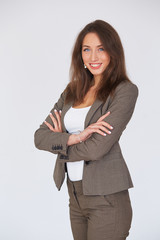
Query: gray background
36	39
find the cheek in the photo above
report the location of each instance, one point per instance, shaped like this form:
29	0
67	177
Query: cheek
85	57
106	59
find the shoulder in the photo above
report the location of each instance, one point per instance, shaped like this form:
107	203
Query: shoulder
127	87
63	95
60	102
125	93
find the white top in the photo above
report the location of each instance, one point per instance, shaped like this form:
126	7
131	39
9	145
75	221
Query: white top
74	120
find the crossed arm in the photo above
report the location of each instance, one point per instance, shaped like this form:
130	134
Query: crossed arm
94	143
100	127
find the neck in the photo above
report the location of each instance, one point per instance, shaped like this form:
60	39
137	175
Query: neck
97	80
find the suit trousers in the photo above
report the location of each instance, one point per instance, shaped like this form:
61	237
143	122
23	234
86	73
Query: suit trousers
98	217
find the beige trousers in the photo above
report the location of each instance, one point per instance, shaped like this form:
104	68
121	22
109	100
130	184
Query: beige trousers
98	217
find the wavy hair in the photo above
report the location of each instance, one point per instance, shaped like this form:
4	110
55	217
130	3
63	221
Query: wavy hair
81	79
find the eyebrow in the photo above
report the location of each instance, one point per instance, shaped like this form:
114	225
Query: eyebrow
96	46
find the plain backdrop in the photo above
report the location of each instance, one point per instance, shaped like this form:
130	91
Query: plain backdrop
36	40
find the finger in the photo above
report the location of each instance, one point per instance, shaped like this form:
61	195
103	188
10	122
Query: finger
101	133
98	131
102	123
99	127
104	116
104	129
105	124
49	126
54	121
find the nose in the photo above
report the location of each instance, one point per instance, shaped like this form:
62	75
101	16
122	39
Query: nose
94	56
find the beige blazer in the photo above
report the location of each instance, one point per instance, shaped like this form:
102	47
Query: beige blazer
105	170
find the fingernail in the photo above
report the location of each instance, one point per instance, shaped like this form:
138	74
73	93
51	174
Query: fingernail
60	111
104	134
55	110
50	113
109	132
111	127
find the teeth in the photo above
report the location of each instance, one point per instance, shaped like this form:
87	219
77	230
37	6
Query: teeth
95	65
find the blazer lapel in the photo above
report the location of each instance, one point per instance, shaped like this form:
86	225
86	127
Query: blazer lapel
97	103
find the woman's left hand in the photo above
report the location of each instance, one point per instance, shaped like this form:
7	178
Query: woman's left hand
56	122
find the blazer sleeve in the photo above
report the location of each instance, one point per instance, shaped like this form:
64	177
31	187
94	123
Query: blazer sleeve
121	109
45	139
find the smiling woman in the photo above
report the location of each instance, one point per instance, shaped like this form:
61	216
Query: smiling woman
84	129
98	64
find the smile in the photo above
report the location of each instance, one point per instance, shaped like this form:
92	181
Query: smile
95	65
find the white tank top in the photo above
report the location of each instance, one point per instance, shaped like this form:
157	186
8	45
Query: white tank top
74	120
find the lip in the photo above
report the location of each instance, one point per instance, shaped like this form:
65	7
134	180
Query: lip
95	65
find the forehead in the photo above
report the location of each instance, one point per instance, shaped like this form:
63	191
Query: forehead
91	39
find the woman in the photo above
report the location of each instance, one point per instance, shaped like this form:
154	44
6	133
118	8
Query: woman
84	128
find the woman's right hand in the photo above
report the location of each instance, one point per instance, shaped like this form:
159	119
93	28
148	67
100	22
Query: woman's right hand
101	127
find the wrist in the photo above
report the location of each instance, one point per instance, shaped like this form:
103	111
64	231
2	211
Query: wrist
79	138
74	139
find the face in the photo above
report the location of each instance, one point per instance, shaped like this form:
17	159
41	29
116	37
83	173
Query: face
94	56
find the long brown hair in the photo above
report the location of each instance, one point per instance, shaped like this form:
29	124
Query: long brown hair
82	79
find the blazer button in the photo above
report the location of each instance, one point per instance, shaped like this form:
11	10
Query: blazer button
55	148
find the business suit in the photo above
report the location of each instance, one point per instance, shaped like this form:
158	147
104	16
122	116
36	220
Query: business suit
105	171
100	206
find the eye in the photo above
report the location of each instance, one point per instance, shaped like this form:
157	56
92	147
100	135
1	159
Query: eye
101	49
86	49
